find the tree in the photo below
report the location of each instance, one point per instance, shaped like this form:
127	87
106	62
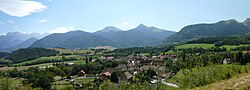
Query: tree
90	58
39	80
246	58
62	74
169	63
114	77
150	73
5	84
63	59
217	44
239	58
87	59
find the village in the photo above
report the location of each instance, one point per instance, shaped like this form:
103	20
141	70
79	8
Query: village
129	70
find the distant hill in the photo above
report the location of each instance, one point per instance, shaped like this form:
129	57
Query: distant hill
219	29
23	44
72	39
140	36
13	39
30	54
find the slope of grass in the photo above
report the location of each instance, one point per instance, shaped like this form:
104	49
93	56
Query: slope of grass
46	60
201	76
206	46
229	47
185	46
73	51
239	82
40	65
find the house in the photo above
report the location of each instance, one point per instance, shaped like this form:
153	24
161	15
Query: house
157	62
121	66
162	72
81	73
171	56
144	57
154	56
106	74
131	62
110	58
153	81
69	64
103	58
72	81
145	62
128	75
135	73
93	60
226	61
163	57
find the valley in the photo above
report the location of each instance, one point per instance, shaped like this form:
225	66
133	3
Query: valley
124	45
135	59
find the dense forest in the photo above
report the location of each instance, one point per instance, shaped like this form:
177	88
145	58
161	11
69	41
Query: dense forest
4	54
219	41
138	50
31	53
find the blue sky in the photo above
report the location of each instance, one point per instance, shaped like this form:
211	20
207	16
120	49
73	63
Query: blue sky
91	15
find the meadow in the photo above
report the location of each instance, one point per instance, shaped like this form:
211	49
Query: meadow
205	46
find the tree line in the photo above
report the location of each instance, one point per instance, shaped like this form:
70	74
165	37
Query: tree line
233	40
31	53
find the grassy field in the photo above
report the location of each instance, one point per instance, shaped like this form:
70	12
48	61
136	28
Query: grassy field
73	51
84	80
48	59
40	65
60	84
229	47
194	45
202	76
205	46
239	82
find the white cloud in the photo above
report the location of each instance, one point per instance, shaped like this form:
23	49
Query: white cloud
62	29
43	20
125	23
20	8
2	34
10	22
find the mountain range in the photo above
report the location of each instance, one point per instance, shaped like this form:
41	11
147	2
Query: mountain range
15	40
72	39
140	36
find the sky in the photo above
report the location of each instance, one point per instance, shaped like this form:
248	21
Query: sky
59	16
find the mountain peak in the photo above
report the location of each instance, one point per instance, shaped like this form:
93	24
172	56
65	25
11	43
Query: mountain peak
142	26
112	28
109	28
75	32
230	21
247	23
14	33
247	20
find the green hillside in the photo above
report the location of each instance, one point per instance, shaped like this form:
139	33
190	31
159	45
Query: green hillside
197	31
